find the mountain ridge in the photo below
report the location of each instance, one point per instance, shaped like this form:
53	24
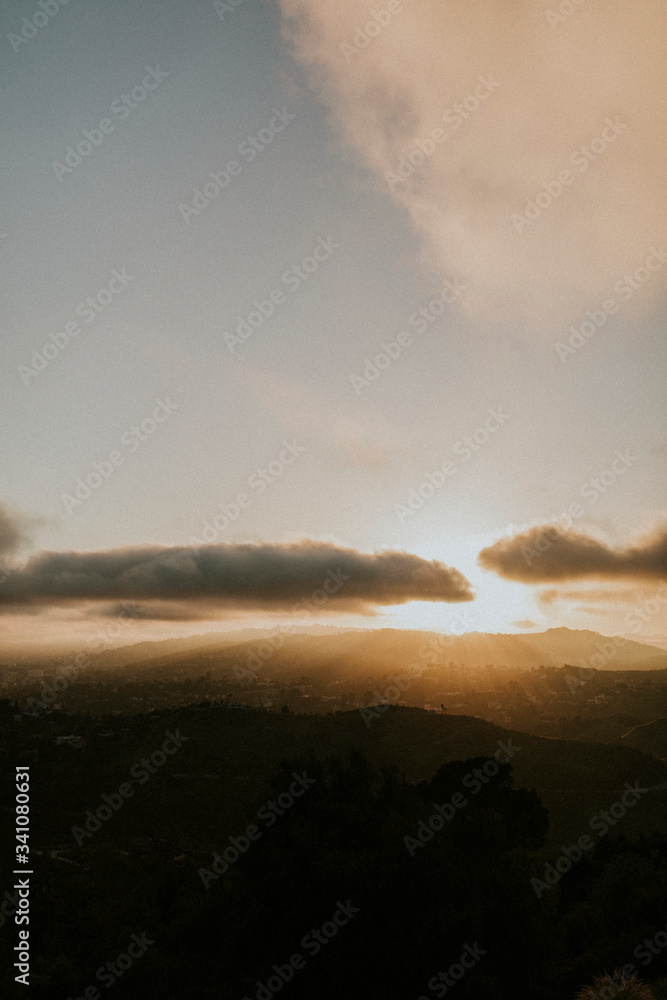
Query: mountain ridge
551	648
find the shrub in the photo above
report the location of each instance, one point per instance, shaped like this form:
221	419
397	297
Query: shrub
615	987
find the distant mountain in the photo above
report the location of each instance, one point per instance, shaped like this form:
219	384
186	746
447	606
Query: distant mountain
346	651
557	646
164	649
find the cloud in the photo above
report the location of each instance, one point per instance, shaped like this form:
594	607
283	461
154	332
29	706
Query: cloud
545	554
15	530
550	90
525	623
156	611
622	595
210	581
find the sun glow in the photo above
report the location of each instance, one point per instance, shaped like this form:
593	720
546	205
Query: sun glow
498	605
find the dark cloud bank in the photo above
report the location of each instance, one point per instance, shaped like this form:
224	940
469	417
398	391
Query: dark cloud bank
545	554
209	580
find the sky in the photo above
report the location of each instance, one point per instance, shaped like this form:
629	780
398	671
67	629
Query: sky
299	291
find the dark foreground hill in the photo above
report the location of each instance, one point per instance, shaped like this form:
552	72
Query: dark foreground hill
352	854
649	738
229	755
608	729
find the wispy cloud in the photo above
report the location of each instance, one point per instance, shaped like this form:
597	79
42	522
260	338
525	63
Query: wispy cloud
407	97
